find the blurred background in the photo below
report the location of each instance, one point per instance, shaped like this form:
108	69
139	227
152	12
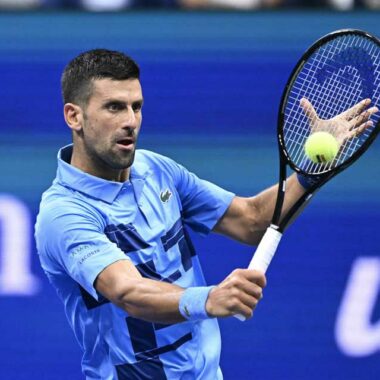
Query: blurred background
121	5
213	73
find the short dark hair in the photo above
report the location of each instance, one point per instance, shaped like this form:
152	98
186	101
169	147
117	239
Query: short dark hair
78	75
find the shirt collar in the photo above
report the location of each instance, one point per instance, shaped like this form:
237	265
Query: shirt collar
96	187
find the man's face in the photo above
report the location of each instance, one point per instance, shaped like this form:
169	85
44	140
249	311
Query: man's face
112	121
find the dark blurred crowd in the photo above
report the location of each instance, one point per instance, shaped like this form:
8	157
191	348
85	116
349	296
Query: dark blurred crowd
116	5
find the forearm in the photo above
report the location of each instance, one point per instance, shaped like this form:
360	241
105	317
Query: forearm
153	301
264	203
161	302
247	219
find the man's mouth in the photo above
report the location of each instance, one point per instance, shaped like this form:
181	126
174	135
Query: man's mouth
126	143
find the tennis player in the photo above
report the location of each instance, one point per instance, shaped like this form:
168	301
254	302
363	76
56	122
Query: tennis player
112	237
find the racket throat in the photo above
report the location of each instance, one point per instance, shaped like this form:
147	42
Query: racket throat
280	193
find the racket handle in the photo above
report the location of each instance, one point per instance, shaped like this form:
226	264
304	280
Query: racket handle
264	254
266	250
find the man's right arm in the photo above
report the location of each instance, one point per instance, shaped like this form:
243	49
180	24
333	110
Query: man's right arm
73	236
157	301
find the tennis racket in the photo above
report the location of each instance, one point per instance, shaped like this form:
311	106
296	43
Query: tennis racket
335	88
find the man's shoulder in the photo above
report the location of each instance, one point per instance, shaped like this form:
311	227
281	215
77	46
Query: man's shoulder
59	200
55	195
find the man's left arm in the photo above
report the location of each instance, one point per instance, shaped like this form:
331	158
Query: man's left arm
247	219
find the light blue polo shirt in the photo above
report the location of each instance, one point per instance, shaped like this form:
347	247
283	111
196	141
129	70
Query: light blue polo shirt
87	223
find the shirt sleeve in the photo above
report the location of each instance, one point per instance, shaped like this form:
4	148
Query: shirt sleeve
203	202
72	235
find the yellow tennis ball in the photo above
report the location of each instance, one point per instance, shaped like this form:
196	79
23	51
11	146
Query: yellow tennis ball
321	147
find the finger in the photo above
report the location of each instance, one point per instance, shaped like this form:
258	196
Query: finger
237	303
309	110
356	109
247	281
224	302
360	130
248	300
245	311
255	277
245	306
363	117
249	289
252	290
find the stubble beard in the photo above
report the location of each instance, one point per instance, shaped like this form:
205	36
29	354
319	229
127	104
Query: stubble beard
109	158
112	159
121	163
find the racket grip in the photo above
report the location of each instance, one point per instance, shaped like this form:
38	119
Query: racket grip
264	254
266	250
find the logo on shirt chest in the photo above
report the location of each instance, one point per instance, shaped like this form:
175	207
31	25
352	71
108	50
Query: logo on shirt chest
165	195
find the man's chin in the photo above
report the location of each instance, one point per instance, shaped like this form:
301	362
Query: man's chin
124	163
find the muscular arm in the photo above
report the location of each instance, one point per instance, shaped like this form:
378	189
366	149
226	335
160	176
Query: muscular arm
157	301
247	218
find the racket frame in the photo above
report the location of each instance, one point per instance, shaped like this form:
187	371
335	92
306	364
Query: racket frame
284	156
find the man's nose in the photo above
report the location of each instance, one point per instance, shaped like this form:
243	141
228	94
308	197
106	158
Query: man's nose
130	120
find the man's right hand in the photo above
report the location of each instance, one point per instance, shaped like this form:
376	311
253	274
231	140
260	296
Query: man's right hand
239	293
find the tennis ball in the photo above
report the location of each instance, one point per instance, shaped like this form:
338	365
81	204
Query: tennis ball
321	147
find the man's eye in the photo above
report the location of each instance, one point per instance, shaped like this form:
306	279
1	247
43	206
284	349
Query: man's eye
137	107
113	107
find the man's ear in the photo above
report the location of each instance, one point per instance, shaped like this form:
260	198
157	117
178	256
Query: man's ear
73	115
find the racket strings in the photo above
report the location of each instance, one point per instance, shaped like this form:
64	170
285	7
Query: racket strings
328	108
343	97
335	78
350	146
